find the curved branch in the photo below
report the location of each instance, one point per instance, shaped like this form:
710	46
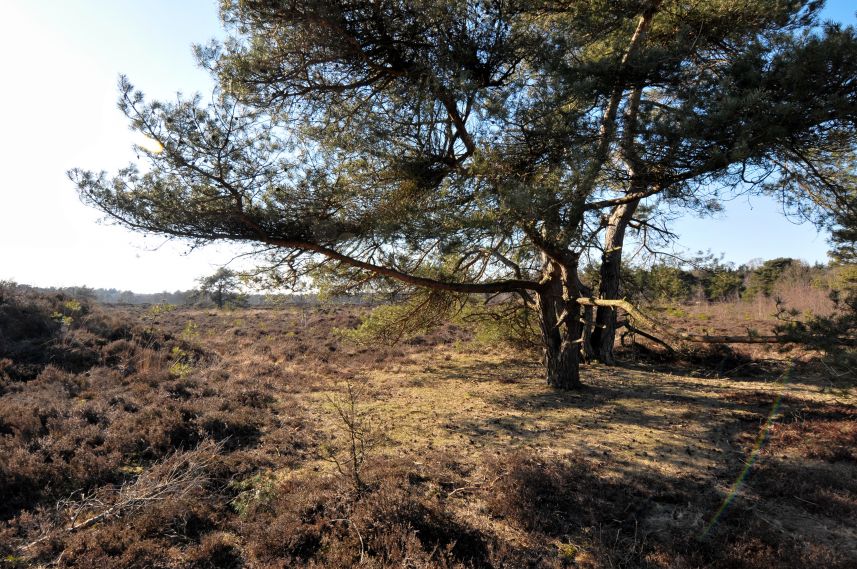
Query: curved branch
510	285
634	330
608	120
626	199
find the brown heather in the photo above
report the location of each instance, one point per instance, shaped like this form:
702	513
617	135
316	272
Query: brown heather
195	439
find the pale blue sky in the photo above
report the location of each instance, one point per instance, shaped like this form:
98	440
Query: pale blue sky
60	61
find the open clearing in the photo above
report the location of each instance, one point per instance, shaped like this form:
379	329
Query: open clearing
688	432
476	461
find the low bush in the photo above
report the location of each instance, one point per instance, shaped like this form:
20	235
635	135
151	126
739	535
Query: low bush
396	521
560	495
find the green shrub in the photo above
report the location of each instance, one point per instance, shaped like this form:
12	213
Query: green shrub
394	323
510	324
724	285
763	279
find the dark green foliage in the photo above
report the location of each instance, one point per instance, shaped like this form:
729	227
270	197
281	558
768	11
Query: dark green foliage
725	284
763	279
665	282
222	288
844	234
707	279
672	282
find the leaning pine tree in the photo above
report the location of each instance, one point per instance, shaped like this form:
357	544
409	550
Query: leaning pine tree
472	147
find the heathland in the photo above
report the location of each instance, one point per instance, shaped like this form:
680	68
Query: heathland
164	436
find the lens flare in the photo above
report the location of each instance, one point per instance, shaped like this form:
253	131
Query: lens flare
149	144
758	445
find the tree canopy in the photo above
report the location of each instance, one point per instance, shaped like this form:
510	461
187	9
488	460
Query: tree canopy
223	287
485	146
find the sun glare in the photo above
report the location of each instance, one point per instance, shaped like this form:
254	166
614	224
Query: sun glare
149	144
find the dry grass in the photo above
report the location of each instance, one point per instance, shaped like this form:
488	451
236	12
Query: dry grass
757	313
481	464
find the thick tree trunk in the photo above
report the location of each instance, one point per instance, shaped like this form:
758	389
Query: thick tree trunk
604	330
559	319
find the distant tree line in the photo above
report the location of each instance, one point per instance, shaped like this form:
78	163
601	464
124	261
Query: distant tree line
193	297
708	279
704	278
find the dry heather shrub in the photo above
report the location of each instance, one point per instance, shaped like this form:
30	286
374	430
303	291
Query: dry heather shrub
38	329
294	531
559	495
398	524
757	543
216	550
153	431
816	489
805	428
398	520
139	521
753	549
119	353
832	439
742	538
52	444
25	315
236	428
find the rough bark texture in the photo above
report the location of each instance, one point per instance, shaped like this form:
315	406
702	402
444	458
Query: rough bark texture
559	319
604	332
587	351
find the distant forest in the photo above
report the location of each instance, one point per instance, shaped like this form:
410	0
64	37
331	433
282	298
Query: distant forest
179	297
705	279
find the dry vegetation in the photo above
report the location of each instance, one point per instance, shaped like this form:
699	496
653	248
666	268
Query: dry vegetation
202	438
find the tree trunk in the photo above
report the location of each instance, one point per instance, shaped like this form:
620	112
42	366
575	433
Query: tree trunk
559	319
587	351
604	330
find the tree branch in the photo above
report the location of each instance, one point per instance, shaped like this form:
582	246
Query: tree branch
677	336
511	285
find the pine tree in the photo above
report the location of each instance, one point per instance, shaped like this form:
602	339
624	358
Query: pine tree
222	287
477	147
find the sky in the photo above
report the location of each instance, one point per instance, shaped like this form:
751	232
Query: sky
61	60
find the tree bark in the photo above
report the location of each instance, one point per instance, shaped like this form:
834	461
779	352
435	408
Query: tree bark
604	330
559	320
587	351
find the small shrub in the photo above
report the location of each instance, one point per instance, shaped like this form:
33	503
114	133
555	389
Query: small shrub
358	435
257	491
216	550
391	324
162	308
509	324
557	495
